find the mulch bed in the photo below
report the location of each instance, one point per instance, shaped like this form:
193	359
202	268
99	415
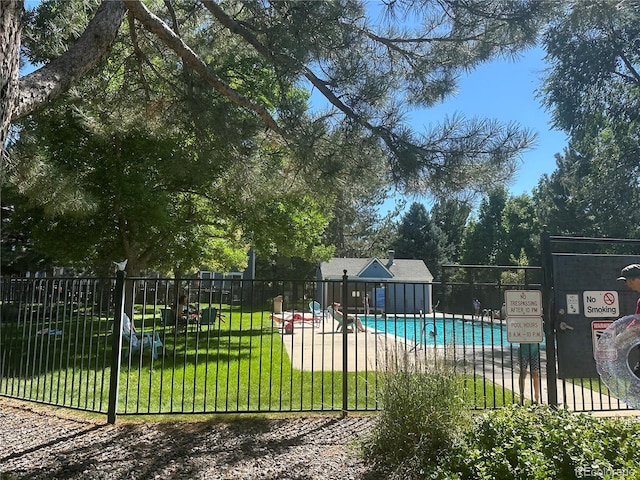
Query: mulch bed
39	442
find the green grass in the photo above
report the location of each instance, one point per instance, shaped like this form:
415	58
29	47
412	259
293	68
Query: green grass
237	366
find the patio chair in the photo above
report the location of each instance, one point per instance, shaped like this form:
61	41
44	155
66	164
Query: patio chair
339	318
144	342
167	318
139	342
208	316
349	320
316	310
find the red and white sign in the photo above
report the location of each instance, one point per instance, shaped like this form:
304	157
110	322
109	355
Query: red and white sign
601	304
597	328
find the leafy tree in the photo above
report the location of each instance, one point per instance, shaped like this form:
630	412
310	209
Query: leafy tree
419	238
367	71
592	91
133	166
592	189
522	232
505	233
17	252
356	180
554	199
593	50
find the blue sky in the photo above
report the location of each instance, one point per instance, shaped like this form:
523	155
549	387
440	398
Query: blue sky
506	90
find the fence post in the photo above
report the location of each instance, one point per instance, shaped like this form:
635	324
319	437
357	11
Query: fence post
116	347
547	309
345	338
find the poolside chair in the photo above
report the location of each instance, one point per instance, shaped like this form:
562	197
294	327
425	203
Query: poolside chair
316	310
338	317
208	316
350	321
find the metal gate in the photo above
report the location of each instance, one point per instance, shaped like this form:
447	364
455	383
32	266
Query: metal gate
581	298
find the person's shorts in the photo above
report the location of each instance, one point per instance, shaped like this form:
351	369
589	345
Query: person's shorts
529	361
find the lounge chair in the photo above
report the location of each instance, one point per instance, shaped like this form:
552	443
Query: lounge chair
338	317
350	321
139	342
208	316
316	310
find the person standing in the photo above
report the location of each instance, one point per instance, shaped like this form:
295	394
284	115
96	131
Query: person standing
476	308
630	275
529	359
365	301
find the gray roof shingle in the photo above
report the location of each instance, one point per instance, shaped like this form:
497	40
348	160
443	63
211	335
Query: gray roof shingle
403	270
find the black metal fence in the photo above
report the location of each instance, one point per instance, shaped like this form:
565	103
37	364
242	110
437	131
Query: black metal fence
254	346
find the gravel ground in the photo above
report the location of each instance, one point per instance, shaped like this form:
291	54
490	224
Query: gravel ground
38	442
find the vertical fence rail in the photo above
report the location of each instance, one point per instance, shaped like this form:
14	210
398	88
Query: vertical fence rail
345	344
251	346
116	348
549	326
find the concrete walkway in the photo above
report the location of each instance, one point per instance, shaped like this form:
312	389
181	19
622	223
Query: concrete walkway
318	347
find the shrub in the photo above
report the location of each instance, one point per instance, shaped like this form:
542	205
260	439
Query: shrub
424	431
542	443
423	416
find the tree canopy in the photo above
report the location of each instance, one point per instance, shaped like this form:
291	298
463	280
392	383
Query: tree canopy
368	68
141	162
233	79
592	90
418	237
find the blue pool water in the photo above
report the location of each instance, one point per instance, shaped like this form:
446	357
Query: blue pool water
441	331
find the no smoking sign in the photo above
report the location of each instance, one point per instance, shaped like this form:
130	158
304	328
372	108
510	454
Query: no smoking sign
601	304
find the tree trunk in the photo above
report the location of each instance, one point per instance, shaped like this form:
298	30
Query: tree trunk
20	98
11	12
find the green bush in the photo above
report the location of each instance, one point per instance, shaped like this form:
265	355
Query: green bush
542	443
424	431
423	416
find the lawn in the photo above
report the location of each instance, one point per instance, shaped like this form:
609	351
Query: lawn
239	365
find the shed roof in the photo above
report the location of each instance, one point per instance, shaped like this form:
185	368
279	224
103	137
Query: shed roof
402	270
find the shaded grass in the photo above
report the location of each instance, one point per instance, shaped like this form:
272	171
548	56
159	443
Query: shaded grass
237	366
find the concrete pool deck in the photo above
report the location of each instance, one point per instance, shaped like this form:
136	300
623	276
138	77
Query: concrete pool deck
318	347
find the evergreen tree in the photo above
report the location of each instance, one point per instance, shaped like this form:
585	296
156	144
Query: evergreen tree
485	238
419	238
522	232
367	70
451	216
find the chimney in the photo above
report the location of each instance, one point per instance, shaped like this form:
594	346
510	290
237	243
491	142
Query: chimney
390	253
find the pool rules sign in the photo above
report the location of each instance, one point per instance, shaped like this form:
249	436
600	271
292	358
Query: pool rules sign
524	316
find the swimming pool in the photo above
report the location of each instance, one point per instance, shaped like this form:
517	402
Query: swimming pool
441	331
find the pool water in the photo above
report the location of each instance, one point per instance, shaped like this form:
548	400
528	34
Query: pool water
441	331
